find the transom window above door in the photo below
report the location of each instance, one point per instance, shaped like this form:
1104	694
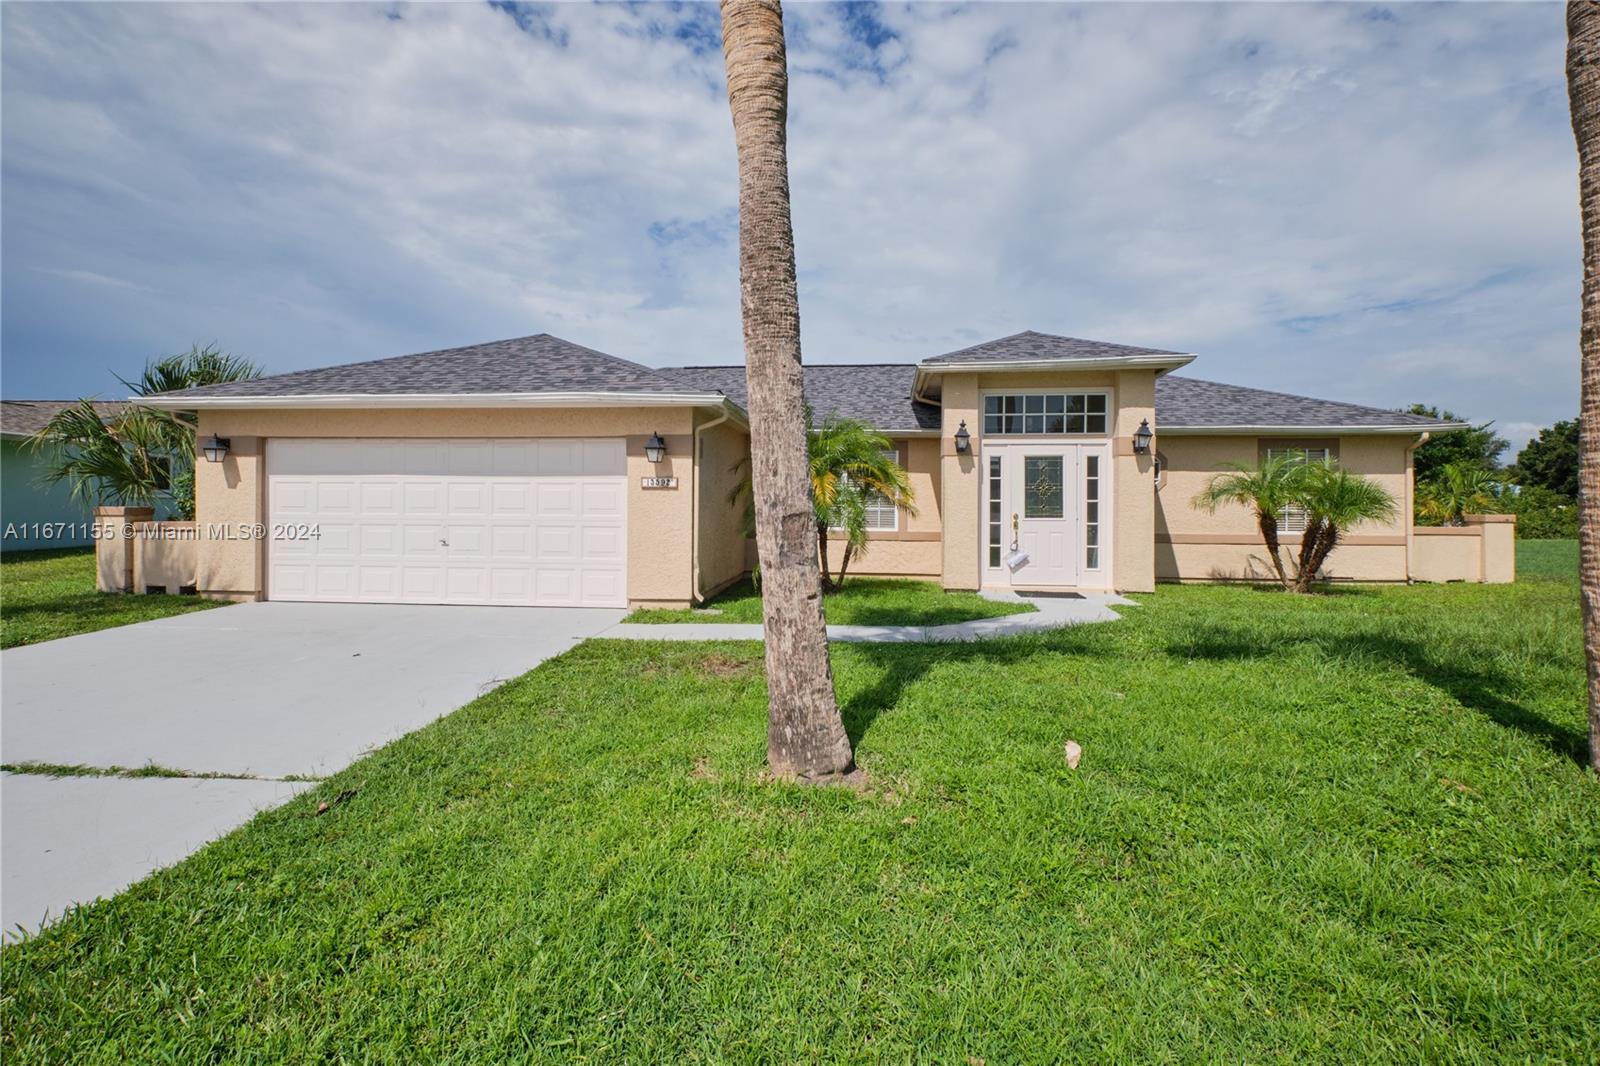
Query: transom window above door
1045	412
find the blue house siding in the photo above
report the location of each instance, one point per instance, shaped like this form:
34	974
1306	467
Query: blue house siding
26	503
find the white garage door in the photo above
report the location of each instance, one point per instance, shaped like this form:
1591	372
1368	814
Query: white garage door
519	522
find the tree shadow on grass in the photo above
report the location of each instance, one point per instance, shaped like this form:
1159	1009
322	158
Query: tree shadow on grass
1484	690
900	666
1478	689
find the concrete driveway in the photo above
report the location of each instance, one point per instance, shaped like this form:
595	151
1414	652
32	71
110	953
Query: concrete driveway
257	692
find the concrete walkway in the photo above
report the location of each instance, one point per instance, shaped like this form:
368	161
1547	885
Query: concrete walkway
1052	612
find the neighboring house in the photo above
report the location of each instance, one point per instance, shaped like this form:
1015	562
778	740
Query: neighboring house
516	473
35	514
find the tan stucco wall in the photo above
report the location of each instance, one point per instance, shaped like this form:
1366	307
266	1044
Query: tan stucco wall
114	547
721	524
1441	554
1133	568
1133	506
233	492
891	558
1192	545
920	457
1485	549
960	484
1499	546
164	556
229	498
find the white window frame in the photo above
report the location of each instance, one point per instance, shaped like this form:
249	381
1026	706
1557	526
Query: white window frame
1293	519
1102	465
894	526
1110	413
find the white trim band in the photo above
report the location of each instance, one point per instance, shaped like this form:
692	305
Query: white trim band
459	399
1301	431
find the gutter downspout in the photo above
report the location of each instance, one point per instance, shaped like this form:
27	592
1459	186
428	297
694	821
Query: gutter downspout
1411	496
695	592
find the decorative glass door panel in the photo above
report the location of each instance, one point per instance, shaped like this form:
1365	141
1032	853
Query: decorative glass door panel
1044	515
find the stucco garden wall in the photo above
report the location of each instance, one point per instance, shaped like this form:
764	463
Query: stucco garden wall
1485	549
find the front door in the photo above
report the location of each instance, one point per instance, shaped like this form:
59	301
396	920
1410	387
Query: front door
1043	514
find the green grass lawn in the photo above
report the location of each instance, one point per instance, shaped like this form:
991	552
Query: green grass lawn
1350	827
1547	560
50	594
862	601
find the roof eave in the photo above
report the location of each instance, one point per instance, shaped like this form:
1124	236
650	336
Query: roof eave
1118	362
349	401
1306	431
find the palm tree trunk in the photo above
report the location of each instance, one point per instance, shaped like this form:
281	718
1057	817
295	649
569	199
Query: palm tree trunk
805	735
1583	91
1269	533
844	564
1306	568
822	556
1327	539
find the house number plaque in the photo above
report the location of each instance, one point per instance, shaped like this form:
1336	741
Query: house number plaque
658	483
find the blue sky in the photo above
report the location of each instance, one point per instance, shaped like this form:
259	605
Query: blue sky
1367	203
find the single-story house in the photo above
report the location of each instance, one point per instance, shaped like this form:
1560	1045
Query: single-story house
34	513
537	471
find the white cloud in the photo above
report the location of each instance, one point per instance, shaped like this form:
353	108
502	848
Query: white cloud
89	277
1321	199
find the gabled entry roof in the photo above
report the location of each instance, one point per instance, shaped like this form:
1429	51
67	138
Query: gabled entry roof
1030	349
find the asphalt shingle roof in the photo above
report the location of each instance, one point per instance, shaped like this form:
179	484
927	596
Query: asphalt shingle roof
1189	403
876	393
1029	346
24	418
880	394
540	363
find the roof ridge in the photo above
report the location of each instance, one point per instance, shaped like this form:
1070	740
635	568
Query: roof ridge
741	366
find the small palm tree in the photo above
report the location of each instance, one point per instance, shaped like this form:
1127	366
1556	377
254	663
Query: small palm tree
140	455
125	458
1455	492
1335	500
848	463
1277	482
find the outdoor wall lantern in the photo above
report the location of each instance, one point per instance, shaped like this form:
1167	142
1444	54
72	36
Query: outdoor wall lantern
216	448
655	449
963	440
1141	437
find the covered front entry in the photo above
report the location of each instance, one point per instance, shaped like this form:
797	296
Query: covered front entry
512	522
1047	506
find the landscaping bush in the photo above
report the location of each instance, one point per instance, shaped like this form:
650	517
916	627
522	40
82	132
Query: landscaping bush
1542	514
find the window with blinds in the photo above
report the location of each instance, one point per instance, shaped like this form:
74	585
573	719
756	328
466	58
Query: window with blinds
882	516
1293	519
